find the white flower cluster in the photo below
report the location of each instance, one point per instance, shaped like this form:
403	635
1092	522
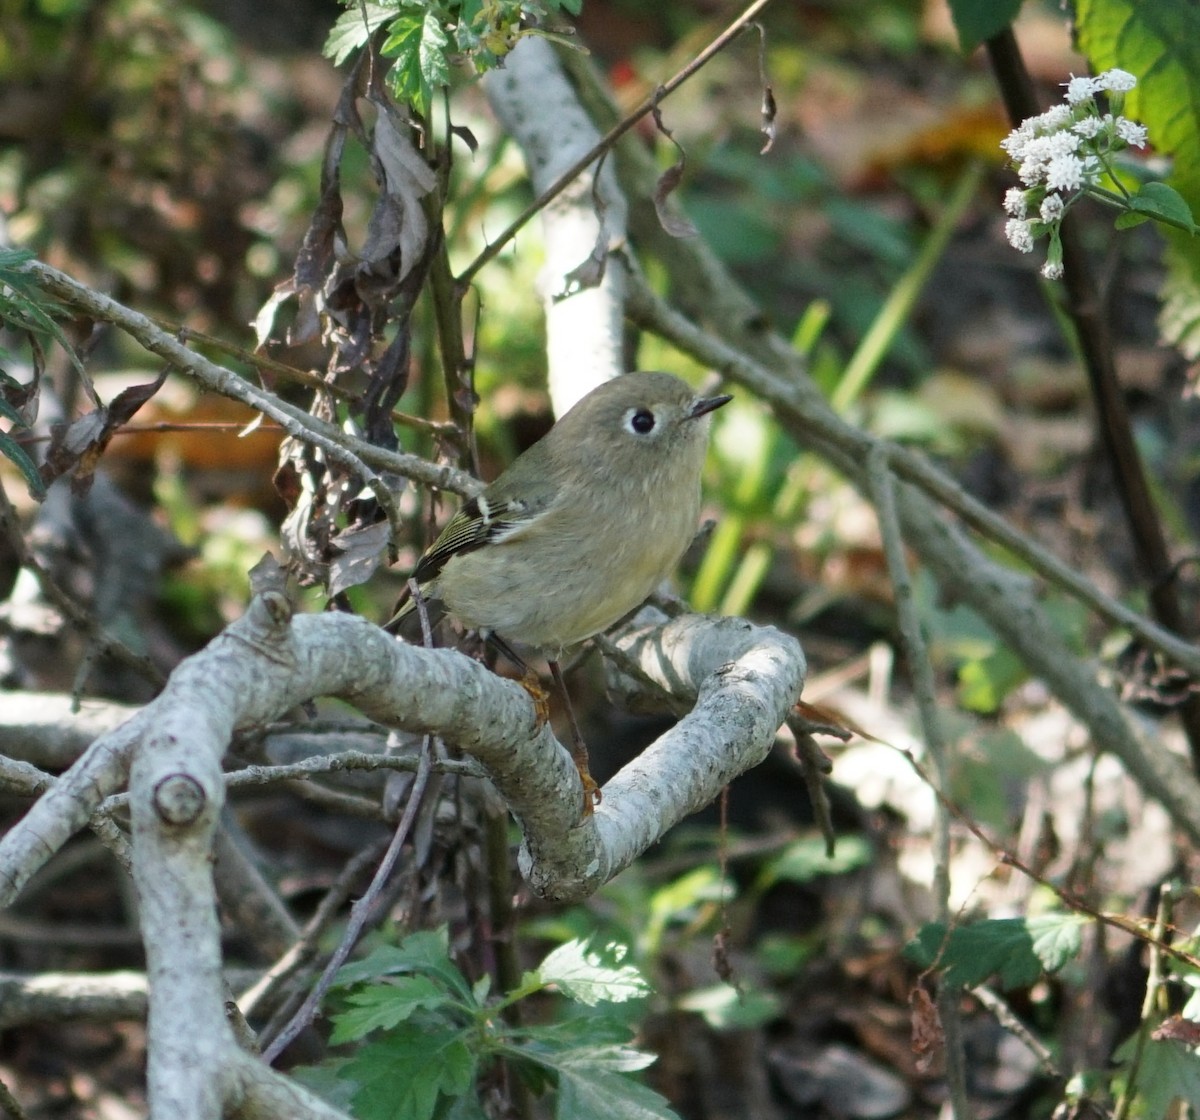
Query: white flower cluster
1061	153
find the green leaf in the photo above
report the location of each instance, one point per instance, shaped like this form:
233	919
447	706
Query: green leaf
806	859
1169	1072
426	951
16	454
596	1094
1018	949
385	1005
1161	201
977	20
581	973
1158	41
435	70
403	43
984	682
350	31
402	1075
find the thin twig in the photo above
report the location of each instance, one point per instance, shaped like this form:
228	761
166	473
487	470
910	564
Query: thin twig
882	483
609	139
1007	1018
354	454
306	945
1069	899
360	914
1154	982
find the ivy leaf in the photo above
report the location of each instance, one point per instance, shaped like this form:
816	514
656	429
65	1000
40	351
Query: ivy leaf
1018	949
402	1075
383	1006
582	974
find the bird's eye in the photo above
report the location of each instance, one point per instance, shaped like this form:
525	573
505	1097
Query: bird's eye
642	421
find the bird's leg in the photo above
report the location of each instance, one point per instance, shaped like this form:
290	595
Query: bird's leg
541	703
579	752
529	679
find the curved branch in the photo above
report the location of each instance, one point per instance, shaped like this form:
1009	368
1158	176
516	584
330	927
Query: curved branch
745	679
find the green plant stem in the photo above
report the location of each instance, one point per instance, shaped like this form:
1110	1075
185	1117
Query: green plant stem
900	301
1154	982
1086	307
1121	202
504	939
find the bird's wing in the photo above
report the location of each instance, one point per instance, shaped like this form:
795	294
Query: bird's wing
480	521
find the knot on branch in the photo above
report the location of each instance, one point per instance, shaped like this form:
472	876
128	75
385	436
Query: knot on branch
179	800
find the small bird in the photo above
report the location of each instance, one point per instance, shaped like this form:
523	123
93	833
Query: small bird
580	528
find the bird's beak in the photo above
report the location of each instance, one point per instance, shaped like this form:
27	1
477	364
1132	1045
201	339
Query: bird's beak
705	405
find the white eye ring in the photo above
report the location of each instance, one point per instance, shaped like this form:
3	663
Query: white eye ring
641	421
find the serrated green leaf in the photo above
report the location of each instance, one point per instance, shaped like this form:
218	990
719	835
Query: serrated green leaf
596	1094
977	20
581	973
611	1057
403	43
435	70
1019	950
1128	220
16	454
351	31
1161	201
426	951
327	1081
385	1005
402	1075
1169	1072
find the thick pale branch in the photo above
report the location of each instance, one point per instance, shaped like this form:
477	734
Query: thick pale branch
256	671
584	333
745	679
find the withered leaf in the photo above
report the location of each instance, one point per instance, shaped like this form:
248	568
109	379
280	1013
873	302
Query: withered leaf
671	220
356	553
928	1037
77	447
